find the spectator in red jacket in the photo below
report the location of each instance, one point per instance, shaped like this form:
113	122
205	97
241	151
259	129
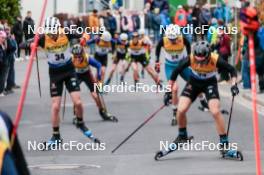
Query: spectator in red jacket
224	51
181	17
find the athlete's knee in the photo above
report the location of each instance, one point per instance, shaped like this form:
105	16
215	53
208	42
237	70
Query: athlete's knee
174	89
78	103
215	112
55	107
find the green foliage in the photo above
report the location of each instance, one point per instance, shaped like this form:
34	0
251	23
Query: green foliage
9	10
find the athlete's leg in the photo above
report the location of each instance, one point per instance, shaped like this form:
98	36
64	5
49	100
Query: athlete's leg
103	69
214	107
113	68
135	71
152	73
55	111
184	105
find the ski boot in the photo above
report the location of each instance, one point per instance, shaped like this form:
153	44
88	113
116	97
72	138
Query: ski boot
204	106
106	116
175	145
108	81
87	132
122	80
174	118
142	74
53	144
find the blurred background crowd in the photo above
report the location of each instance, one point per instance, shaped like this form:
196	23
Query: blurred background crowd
118	19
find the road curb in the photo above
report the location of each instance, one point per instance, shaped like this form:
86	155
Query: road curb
249	98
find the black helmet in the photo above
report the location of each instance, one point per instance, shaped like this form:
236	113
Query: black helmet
202	49
77	49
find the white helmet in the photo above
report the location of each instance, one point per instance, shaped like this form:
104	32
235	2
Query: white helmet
123	36
173	31
141	32
106	36
52	24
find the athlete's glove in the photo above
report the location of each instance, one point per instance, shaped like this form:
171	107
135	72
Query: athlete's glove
157	67
167	98
234	90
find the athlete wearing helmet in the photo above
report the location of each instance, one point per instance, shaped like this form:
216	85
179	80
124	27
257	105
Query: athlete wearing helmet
176	48
121	46
203	66
103	46
137	54
147	48
56	44
82	62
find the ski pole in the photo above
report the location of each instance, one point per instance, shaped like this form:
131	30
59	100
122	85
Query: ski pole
27	77
37	64
140	126
230	115
64	104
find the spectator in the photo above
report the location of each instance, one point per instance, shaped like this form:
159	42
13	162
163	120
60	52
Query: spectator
148	19
10	56
156	25
117	17
205	18
93	22
259	53
80	22
127	23
3	62
17	30
163	5
180	18
29	34
195	19
111	21
219	12
212	35
136	22
224	50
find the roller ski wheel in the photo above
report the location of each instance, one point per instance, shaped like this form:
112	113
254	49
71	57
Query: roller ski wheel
108	117
158	155
233	155
225	112
111	119
161	154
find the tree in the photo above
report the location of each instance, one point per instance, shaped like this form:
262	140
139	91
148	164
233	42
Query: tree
9	10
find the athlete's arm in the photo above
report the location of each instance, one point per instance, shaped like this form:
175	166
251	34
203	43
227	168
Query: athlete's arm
187	45
158	49
97	65
222	64
182	65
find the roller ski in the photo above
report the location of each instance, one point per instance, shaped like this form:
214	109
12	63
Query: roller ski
177	144
86	131
231	154
107	117
53	144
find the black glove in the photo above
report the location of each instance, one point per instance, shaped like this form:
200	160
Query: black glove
167	98
234	90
